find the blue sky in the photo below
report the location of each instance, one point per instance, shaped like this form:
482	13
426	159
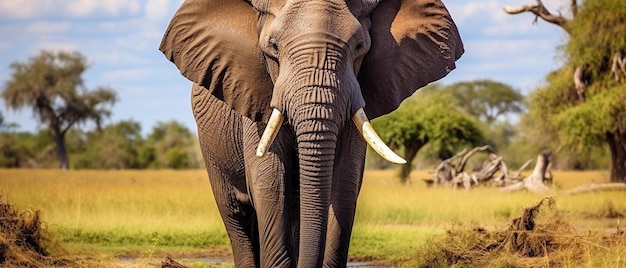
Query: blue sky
120	38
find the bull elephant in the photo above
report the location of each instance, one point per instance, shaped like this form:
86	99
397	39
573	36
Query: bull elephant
281	94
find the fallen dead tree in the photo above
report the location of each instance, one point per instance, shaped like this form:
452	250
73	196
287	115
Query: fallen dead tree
495	173
535	182
595	187
492	172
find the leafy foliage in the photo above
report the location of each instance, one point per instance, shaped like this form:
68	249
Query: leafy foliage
428	117
51	84
173	145
487	100
116	146
597	34
580	117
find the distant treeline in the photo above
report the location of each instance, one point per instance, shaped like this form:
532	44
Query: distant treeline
170	145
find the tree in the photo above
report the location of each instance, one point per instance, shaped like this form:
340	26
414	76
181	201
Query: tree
490	102
171	145
427	118
487	100
584	102
51	84
115	146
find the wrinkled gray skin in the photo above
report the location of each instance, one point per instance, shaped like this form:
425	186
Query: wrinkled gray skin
317	62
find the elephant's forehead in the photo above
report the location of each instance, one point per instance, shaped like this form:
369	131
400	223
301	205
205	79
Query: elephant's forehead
332	18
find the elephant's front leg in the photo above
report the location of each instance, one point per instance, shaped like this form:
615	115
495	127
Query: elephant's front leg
272	183
347	178
220	135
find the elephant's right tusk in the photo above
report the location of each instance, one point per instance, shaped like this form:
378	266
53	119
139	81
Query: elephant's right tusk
273	125
369	134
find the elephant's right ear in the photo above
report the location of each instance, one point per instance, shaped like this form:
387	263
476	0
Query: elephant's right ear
214	44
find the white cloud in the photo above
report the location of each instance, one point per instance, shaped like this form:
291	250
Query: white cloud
81	8
57	46
501	47
156	9
84	8
115	7
472	10
25	9
125	75
20	9
115	56
46	27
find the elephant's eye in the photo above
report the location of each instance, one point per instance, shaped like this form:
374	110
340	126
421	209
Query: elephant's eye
359	46
273	46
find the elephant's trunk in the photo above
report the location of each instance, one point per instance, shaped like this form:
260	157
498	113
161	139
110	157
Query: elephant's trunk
316	125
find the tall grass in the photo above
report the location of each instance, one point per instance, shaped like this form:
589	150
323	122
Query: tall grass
120	209
147	211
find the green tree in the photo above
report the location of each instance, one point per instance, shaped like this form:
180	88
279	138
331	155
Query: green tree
487	100
51	84
490	102
115	146
583	104
428	117
170	145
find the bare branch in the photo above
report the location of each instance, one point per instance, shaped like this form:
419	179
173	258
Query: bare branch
540	11
573	7
579	84
618	66
461	166
518	174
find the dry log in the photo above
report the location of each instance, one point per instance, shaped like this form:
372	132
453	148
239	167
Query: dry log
446	171
466	157
489	168
535	182
494	171
593	187
449	173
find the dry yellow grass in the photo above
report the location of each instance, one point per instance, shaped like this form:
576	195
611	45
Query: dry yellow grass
154	211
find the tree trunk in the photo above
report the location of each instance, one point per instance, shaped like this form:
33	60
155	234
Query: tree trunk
410	151
59	141
617	145
534	183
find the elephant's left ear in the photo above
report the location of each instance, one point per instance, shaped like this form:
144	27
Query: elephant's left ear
214	43
414	42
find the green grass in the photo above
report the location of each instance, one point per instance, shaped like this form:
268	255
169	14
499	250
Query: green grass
151	212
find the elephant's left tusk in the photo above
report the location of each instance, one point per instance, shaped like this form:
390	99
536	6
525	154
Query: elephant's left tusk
369	134
273	125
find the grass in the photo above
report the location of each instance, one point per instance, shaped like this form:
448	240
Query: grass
148	213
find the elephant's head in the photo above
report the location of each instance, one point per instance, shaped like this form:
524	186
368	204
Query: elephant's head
317	63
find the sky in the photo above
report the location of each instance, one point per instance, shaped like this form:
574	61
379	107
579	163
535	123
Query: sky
120	39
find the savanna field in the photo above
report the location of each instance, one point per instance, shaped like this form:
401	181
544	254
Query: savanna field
136	218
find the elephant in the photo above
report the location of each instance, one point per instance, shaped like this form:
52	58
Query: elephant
281	94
